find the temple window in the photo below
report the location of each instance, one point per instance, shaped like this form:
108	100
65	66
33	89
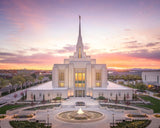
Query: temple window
61	79
79	53
98	76
98	79
61	84
61	76
98	84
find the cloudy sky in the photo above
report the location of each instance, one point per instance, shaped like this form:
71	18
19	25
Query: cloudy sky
35	34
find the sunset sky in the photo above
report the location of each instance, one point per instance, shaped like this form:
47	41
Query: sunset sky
35	34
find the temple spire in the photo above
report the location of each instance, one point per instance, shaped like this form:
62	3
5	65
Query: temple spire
79	41
79	46
79	25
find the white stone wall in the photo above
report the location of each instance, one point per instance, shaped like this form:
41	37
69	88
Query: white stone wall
48	94
93	78
103	70
111	94
150	77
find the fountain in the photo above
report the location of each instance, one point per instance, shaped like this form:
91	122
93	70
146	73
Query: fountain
80	116
80	111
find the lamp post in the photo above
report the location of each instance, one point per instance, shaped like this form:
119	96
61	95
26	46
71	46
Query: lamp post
47	117
113	118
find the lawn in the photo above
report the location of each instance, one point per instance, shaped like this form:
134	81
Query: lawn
117	107
43	107
155	103
27	124
133	124
9	107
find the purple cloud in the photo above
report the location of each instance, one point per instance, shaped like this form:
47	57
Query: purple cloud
6	54
153	44
38	58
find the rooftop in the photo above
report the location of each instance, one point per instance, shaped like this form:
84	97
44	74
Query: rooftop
114	86
48	86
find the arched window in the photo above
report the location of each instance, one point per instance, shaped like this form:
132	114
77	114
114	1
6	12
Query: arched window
79	53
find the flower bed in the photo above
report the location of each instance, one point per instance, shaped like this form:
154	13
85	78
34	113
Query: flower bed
157	115
136	115
133	124
27	124
23	116
2	116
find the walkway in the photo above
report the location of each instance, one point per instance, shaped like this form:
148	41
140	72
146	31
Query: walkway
93	105
87	100
5	123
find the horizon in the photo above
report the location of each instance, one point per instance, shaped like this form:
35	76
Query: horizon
122	34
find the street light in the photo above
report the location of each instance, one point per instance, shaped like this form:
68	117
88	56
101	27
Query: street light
113	118
47	117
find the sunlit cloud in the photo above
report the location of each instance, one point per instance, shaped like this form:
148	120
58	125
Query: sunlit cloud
36	34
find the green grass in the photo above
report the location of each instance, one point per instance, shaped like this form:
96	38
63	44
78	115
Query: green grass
155	103
9	107
43	107
117	107
27	124
133	124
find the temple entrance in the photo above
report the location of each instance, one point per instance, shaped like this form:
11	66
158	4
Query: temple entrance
79	93
80	82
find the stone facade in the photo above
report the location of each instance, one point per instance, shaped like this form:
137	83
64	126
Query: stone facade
80	76
151	78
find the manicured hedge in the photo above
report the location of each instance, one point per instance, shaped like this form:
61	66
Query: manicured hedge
27	124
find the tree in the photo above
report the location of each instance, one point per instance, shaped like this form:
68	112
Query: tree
124	97
140	86
34	75
101	98
34	98
43	97
17	79
29	78
3	82
15	95
116	98
40	77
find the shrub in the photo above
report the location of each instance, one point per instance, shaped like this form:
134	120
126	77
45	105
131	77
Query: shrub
2	116
27	124
134	115
58	98
101	98
22	116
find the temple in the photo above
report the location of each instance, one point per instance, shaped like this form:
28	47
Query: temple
79	76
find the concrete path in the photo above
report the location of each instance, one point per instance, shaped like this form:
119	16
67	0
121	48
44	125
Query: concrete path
155	123
104	123
87	100
5	124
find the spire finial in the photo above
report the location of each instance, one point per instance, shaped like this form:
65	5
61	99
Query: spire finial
79	25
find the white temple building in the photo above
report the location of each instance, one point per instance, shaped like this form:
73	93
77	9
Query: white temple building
79	76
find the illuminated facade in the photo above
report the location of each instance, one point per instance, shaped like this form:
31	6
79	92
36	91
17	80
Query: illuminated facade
80	73
80	76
